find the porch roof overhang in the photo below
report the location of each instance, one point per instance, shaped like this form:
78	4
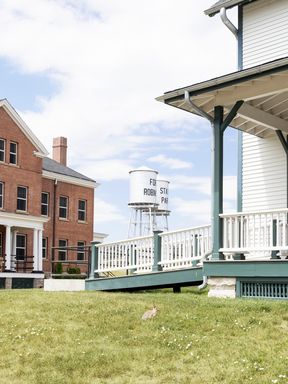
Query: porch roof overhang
19	220
262	89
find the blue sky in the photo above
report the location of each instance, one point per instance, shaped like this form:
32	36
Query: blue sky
90	70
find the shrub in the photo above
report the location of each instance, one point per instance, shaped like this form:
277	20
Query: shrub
73	270
59	268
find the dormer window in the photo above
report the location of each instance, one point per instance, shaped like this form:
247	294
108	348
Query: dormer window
13	153
2	150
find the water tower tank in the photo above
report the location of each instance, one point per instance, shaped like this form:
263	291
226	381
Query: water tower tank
143	187
162	195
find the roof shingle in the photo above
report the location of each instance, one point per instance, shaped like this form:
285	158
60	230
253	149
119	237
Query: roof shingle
55	167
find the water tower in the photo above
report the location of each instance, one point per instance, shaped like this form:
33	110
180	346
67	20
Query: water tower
162	211
143	201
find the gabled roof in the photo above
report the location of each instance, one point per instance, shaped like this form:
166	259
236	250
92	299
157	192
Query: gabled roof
262	90
41	150
224	4
55	168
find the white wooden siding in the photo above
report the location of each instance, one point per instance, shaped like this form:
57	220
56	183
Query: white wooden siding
265	38
264	174
265	32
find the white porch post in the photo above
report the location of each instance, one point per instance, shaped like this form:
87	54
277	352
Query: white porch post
40	259
8	248
13	249
35	250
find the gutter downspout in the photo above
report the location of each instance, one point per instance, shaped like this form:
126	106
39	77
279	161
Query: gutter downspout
228	23
54	222
196	108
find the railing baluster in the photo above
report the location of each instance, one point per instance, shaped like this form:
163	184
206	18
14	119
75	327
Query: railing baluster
252	233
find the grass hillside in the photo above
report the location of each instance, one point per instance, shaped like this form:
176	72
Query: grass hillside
91	337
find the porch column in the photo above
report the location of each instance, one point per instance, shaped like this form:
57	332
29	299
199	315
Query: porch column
35	250
217	184
13	250
8	248
40	259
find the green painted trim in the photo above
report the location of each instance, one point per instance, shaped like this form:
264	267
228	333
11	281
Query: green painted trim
157	252
238	288
231	114
94	259
240	173
187	277
274	240
217	184
240	37
262	280
282	141
269	268
240	134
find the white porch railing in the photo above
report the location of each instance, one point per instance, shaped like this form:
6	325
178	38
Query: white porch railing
133	254
184	248
256	234
180	249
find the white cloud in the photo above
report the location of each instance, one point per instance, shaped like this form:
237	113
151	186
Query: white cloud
197	210
169	162
108	63
106	212
109	60
105	170
202	184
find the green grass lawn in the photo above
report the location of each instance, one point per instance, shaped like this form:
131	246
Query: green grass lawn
91	337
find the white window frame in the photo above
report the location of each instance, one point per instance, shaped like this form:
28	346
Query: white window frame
62	251
81	250
23	248
13	153
44	247
63	207
81	211
1	195
46	205
3	150
22	198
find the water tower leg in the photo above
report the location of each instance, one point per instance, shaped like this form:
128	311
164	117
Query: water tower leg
166	221
150	222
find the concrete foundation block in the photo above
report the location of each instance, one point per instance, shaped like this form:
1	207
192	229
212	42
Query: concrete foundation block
71	285
222	287
8	283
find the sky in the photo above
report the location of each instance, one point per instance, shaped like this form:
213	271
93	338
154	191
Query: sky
90	70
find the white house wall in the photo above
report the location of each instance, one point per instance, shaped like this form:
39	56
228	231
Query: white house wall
265	32
265	38
264	174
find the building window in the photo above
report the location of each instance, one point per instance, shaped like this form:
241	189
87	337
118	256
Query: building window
62	252
80	250
1	194
63	207
2	150
13	153
20	246
1	248
44	247
22	198
82	210
44	204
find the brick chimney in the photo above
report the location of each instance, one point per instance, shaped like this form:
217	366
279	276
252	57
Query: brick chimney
60	150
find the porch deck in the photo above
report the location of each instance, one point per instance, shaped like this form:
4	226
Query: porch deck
153	280
254	258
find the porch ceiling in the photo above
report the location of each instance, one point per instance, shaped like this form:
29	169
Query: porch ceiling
263	89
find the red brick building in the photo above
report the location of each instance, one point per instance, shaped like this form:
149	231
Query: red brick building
46	208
